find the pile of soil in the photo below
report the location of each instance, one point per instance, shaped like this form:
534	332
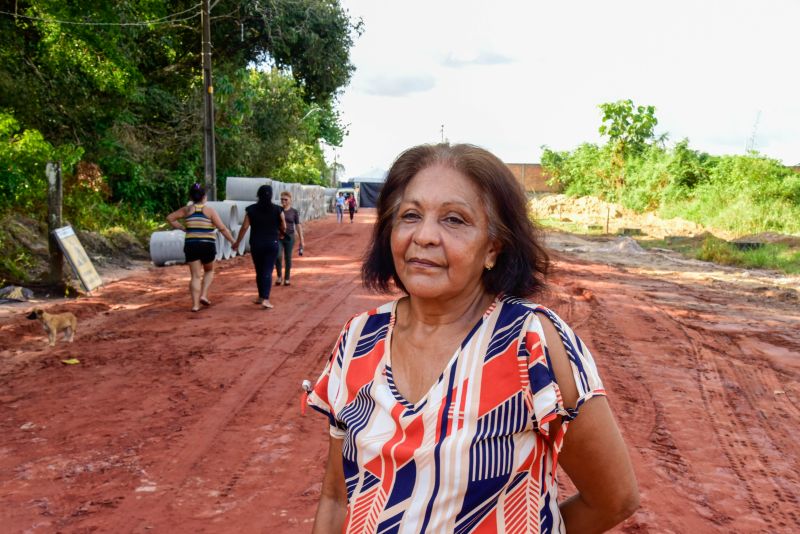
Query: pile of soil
591	211
24	241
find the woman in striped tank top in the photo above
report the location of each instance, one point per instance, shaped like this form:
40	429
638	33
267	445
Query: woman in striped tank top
200	223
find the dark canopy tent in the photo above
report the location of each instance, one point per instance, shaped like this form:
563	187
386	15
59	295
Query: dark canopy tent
369	194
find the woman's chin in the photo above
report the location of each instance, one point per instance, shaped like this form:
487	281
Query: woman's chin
427	289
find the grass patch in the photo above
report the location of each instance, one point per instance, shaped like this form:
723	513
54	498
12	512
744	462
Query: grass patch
774	256
777	256
569	227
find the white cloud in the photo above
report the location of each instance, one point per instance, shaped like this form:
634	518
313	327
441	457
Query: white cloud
483	57
513	75
398	85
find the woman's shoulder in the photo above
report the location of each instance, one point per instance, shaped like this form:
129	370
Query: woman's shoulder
513	308
371	320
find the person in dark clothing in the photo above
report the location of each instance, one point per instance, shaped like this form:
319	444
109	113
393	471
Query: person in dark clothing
286	244
267	225
351	206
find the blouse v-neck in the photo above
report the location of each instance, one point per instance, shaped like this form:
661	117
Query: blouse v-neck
387	358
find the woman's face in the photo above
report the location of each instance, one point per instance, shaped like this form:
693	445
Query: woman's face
440	236
286	203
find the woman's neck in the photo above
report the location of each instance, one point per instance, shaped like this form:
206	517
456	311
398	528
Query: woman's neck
464	308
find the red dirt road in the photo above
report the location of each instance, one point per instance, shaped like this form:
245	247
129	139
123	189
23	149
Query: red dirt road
190	422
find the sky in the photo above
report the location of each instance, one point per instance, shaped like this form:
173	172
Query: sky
513	76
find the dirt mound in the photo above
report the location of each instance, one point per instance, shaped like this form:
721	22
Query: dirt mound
591	211
25	253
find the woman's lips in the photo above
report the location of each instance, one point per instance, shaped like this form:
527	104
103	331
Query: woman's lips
419	262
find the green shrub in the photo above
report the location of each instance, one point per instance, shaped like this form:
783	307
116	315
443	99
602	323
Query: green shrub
585	171
769	256
744	194
23	158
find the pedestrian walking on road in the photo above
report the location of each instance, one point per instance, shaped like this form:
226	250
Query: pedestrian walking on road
267	225
451	407
340	208
286	244
351	206
200	223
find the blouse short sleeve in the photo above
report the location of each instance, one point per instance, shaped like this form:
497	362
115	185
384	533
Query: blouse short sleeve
324	394
546	395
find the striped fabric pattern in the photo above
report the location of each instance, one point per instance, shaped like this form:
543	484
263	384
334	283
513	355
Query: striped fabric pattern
477	453
199	228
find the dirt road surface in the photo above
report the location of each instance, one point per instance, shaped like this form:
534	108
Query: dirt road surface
190	422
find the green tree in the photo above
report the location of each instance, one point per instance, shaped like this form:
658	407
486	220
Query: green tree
628	127
131	95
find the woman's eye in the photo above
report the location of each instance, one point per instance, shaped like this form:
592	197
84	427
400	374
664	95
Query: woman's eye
409	216
452	219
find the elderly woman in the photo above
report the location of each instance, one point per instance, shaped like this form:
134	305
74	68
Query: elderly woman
199	244
449	407
286	243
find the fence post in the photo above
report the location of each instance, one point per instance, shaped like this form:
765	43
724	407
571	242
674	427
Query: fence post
55	196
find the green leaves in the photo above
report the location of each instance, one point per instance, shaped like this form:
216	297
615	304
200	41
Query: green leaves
739	193
84	73
628	127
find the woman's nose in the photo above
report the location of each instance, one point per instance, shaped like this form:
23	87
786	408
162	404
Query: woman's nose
427	232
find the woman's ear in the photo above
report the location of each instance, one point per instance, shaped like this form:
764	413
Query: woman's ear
495	248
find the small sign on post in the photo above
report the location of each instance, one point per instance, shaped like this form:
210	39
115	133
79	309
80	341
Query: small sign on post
78	260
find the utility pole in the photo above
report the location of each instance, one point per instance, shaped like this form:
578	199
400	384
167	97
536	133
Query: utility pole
55	197
442	132
209	150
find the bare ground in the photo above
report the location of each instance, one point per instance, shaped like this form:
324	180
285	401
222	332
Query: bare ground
182	422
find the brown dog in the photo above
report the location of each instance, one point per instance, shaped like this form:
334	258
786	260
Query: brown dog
55	322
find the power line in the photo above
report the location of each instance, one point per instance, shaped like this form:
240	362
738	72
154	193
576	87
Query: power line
169	19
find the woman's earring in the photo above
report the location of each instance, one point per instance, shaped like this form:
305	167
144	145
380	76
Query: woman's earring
489	266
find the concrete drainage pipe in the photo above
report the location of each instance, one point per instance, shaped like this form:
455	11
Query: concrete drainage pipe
166	248
239	188
228	212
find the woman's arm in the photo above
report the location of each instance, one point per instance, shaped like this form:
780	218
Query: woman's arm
332	507
299	229
594	455
173	217
242	230
282	225
214	216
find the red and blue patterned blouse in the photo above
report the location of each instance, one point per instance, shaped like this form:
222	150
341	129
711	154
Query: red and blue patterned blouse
477	453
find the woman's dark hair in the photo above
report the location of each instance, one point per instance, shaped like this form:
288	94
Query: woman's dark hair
196	192
264	195
522	262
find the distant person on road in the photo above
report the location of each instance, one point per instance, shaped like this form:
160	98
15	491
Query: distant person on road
351	206
449	406
286	244
267	225
340	208
200	242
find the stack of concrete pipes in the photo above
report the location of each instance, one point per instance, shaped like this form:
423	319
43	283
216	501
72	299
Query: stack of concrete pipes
166	248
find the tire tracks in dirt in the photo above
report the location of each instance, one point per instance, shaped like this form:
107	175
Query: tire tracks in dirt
177	473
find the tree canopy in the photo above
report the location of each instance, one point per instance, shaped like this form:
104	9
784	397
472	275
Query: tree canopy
122	80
